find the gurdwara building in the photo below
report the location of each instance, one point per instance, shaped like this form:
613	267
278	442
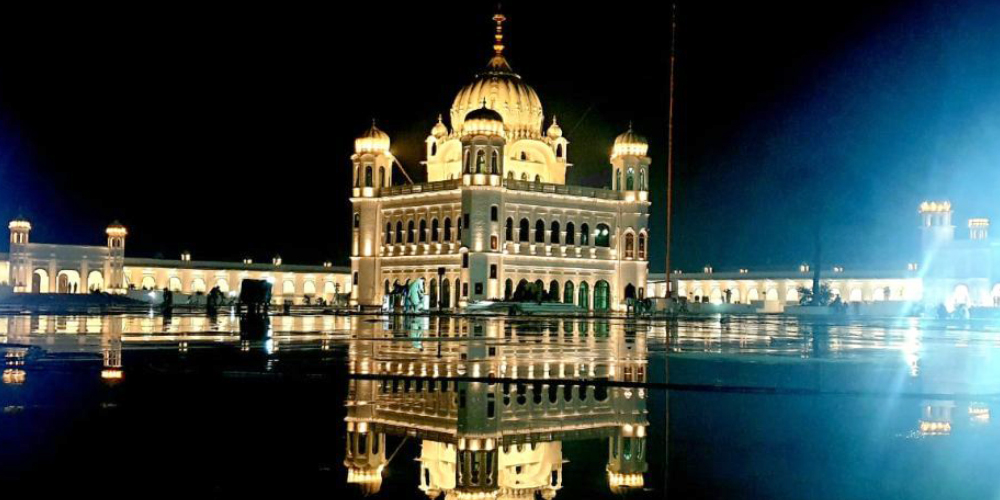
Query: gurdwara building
496	213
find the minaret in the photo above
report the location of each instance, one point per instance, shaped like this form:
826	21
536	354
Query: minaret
20	265
372	164
936	227
114	268
631	165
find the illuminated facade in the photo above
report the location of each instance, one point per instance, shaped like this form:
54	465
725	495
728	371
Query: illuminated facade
56	268
951	271
499	434
496	213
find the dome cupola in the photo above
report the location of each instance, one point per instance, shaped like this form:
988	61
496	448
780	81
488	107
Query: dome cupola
503	91
630	143
372	140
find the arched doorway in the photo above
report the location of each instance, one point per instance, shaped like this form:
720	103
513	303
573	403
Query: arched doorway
772	294
553	291
602	296
715	296
752	295
198	285
433	289
508	289
961	296
583	297
223	285
568	292
40	281
629	291
148	283
174	284
445	293
95	281
68	281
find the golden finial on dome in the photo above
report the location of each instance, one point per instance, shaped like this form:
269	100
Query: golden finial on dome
499	18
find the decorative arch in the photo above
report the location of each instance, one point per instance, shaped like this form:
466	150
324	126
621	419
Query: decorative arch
40	281
198	285
148	283
568	292
753	295
223	285
288	287
629	245
309	288
554	233
95	281
174	284
539	231
583	296
570	233
602	296
68	281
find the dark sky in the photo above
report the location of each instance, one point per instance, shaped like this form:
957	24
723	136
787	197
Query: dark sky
228	131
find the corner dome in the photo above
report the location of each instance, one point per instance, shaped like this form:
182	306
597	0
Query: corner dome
630	143
372	140
439	130
554	131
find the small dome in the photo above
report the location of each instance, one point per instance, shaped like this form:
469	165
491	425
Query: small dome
372	141
555	131
19	222
484	121
439	130
630	143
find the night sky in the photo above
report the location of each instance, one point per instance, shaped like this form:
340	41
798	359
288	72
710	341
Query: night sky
228	131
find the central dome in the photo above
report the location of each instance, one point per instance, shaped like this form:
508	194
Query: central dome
504	92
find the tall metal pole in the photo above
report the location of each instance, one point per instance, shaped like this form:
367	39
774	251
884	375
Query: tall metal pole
670	140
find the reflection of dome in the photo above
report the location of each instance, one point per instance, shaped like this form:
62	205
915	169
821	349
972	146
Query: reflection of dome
504	91
116	229
621	483
439	130
370	481
630	143
372	141
483	121
555	131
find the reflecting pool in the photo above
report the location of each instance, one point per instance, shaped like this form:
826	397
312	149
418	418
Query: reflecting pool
498	407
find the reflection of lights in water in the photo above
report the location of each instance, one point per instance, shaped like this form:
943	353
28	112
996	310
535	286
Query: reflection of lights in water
14	376
112	374
979	413
911	350
270	346
935	428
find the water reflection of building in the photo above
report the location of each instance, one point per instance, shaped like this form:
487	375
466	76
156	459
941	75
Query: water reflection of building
492	416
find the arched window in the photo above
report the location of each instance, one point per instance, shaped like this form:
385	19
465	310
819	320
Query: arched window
583	296
524	176
480	161
357	177
553	291
618	180
523	234
423	231
602	296
559	151
388	233
509	230
508	289
554	236
495	163
368	176
642	245
434	148
458	230
409	232
642	179
568	292
538	178
386	287
357	220
381	177
466	164
510	174
629	246
585	235
434	229
630	179
447	229
539	231
399	231
524	156
602	237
